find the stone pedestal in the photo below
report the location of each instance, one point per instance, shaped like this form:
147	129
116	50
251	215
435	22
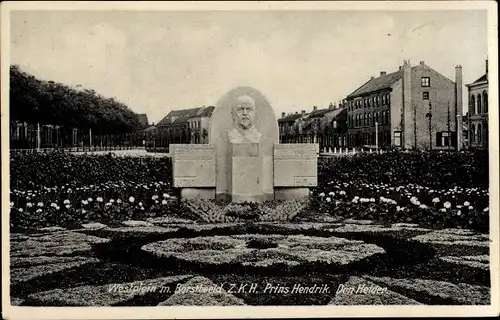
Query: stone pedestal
197	193
247	181
291	194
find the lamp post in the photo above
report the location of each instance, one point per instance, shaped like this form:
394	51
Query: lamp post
429	115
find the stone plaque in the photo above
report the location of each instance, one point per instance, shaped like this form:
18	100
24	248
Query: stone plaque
295	165
193	165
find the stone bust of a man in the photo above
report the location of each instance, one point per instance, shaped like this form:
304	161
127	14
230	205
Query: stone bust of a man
243	113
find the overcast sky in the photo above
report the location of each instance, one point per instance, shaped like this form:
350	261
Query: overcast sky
159	61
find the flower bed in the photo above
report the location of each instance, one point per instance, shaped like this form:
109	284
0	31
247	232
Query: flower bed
58	169
262	251
438	190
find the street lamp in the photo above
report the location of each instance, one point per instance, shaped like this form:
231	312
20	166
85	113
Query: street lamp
429	115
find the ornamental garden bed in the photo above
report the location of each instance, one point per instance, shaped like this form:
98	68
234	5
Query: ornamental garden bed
418	232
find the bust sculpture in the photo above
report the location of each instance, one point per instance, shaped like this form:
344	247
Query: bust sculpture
243	114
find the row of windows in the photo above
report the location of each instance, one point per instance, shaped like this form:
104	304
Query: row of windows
375	101
476	133
479	104
195	124
367	138
443	139
369	119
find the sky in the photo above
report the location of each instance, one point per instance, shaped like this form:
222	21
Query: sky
158	61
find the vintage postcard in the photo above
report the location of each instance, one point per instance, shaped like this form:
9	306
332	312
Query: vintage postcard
249	159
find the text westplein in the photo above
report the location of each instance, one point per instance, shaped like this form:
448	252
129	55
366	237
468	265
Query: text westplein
140	288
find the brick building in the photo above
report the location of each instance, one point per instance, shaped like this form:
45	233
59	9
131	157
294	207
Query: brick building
413	107
327	127
478	112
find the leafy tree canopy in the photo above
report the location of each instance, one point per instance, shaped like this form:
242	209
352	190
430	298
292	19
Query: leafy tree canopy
46	102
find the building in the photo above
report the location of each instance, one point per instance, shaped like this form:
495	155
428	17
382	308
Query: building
327	127
184	126
199	124
414	107
477	116
287	127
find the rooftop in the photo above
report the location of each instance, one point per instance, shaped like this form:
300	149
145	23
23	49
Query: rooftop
377	84
184	115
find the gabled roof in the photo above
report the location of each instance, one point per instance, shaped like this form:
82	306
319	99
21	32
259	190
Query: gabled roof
185	114
376	84
482	79
176	113
205	111
290	117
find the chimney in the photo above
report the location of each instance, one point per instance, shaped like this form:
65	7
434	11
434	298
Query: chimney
459	105
303	112
486	66
331	106
296	112
422	63
315	108
372	77
407	129
383	73
283	114
400	67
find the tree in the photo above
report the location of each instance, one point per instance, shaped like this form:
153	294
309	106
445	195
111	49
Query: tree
47	102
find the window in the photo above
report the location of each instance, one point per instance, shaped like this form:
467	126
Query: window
425	95
479	134
364	103
472	104
386	120
397	138
473	133
485	102
479	111
426	82
443	139
387	99
369	119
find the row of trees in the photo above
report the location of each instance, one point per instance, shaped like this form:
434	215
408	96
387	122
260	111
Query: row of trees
46	102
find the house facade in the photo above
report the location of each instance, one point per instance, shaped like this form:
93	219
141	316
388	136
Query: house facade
478	112
415	107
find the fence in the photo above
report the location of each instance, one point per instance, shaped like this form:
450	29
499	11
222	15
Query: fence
26	137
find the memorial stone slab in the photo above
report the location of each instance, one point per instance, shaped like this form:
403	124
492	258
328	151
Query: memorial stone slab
193	169
295	170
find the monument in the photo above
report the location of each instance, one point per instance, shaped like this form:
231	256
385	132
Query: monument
244	161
